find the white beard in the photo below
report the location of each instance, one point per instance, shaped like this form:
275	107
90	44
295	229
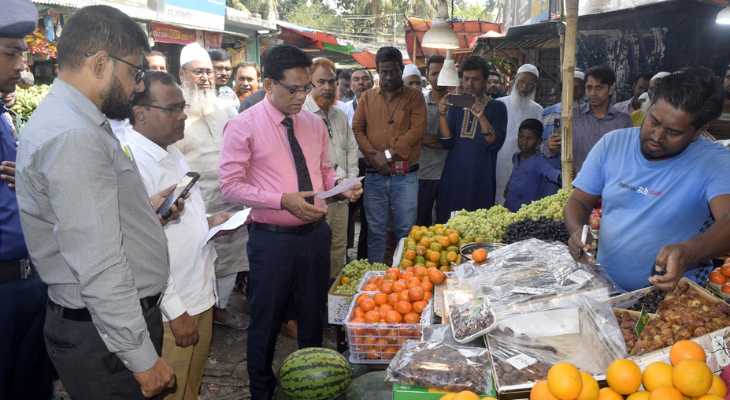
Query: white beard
201	102
519	102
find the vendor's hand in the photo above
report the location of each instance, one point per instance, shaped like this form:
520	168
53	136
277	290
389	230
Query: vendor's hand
353	194
184	330
674	258
219	218
575	245
554	141
296	204
378	160
158	198
444	105
156	379
8	173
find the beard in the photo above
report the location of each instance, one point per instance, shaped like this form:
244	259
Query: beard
494	92
113	103
201	102
521	102
324	102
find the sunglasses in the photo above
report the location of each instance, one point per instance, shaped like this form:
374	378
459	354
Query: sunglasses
137	75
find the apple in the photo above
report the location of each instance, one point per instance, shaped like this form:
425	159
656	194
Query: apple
595	223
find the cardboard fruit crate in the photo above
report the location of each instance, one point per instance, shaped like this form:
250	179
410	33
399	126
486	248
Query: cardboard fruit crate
337	304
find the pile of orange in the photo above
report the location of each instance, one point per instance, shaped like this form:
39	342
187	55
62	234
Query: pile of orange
432	247
465	395
721	276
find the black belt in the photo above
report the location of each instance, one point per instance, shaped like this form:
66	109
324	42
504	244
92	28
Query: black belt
305	229
83	315
15	270
411	168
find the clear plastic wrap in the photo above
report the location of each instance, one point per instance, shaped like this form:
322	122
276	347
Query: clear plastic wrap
443	366
472	319
534	269
531	338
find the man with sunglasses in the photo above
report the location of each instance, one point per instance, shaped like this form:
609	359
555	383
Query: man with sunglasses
201	147
275	159
92	234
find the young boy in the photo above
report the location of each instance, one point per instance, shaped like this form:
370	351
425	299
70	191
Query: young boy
530	167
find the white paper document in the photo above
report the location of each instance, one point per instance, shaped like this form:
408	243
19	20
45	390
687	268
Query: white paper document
344	186
233	223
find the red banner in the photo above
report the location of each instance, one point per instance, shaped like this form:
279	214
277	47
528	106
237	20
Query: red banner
213	38
172	34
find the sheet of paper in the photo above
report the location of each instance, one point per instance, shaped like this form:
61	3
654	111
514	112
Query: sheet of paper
344	186
235	222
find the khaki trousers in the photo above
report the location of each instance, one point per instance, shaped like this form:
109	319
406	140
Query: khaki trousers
187	363
336	218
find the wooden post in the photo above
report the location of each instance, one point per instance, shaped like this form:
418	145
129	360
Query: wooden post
571	33
415	42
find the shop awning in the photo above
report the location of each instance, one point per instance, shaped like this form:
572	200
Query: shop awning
468	32
520	38
305	38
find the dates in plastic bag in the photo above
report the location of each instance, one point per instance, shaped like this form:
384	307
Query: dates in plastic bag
471	318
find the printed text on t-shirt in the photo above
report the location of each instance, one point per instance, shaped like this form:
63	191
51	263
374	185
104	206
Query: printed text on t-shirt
640	189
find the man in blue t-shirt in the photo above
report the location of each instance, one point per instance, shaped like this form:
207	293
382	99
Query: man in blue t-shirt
665	189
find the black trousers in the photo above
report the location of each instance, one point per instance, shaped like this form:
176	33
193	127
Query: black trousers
282	266
86	367
26	371
428	191
359	205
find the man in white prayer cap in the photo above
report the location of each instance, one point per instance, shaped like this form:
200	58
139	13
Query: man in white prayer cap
201	147
520	106
412	77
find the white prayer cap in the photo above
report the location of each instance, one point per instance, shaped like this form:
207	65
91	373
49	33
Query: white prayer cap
579	75
659	75
193	52
644	96
376	77
411	70
528	68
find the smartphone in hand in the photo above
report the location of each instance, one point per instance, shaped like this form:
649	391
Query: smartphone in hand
461	100
181	190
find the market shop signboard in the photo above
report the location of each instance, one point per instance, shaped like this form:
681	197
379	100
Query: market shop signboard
204	14
172	34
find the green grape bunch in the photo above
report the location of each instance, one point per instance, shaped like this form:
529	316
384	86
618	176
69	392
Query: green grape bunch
355	270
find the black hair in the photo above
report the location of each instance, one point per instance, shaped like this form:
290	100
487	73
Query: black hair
283	57
362	69
559	84
247	64
145	96
475	63
533	126
495	73
345	74
146	63
113	31
602	73
388	53
694	90
218	54
643	76
434	59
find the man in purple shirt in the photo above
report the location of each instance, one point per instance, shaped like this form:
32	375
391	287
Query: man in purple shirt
641	84
275	158
593	119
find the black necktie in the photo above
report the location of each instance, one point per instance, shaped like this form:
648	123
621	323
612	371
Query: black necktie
300	162
354	105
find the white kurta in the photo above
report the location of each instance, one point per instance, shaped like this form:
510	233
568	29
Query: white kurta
504	157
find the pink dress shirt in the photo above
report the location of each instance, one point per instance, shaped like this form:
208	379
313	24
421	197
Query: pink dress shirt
257	166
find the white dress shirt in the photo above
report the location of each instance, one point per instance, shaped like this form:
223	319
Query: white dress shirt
191	284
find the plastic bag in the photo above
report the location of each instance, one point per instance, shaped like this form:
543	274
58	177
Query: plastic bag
534	269
442	366
530	338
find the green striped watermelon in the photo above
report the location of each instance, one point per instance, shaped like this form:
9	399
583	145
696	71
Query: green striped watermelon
314	373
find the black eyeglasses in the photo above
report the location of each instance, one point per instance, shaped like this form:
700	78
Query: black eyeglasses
137	75
307	89
172	111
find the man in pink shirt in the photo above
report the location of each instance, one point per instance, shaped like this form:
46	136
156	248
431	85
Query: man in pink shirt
275	159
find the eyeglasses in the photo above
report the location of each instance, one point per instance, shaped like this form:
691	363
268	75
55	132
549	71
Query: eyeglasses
307	89
199	72
171	111
137	75
525	83
221	69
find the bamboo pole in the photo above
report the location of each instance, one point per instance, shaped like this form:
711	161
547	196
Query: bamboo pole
415	42
571	34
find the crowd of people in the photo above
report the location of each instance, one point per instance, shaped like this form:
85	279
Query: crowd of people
121	300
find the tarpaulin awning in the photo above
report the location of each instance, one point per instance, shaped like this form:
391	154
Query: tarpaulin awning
367	58
468	32
305	38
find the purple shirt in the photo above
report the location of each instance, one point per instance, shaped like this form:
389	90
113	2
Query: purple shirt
625	106
588	130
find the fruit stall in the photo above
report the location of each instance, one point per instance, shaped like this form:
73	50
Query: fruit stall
492	305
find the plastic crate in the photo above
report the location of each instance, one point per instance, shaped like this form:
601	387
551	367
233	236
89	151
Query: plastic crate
378	343
366	278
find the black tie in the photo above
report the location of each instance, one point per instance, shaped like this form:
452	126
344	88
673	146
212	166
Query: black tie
300	162
354	105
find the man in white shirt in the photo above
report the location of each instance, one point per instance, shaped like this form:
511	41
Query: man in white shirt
159	116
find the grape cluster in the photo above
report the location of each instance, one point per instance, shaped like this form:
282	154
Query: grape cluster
355	271
543	228
650	301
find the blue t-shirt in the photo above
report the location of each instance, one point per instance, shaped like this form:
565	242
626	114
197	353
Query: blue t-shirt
527	174
650	204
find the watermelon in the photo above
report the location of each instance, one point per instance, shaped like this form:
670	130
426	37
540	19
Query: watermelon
314	373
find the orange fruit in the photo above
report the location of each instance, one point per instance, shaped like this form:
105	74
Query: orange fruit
403	307
415	293
425	242
388	278
345	280
426	285
436	247
386	287
564	381
657	374
448	396
686	349
718	387
692	377
411	318
413	281
434	256
393	317
399	286
392	299
451	256
393	271
431	264
436	277
623	376
479	255
407	264
710	396
358	312
665	393
725	288
371	317
453	238
367	304
717	277
540	392
640	395
427	296
420	272
404	296
370	287
444	242
608	394
410	254
465	395
380	298
590	387
404	276
384	310
725	270
418	235
418	306
360	297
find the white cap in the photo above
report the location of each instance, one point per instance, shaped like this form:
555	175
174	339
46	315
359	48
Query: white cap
659	75
644	96
376	77
529	68
579	75
411	70
193	52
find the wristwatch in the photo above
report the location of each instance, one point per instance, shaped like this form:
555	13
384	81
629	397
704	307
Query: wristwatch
388	156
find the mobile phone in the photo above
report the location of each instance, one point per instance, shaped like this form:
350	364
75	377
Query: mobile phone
181	190
556	125
461	100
